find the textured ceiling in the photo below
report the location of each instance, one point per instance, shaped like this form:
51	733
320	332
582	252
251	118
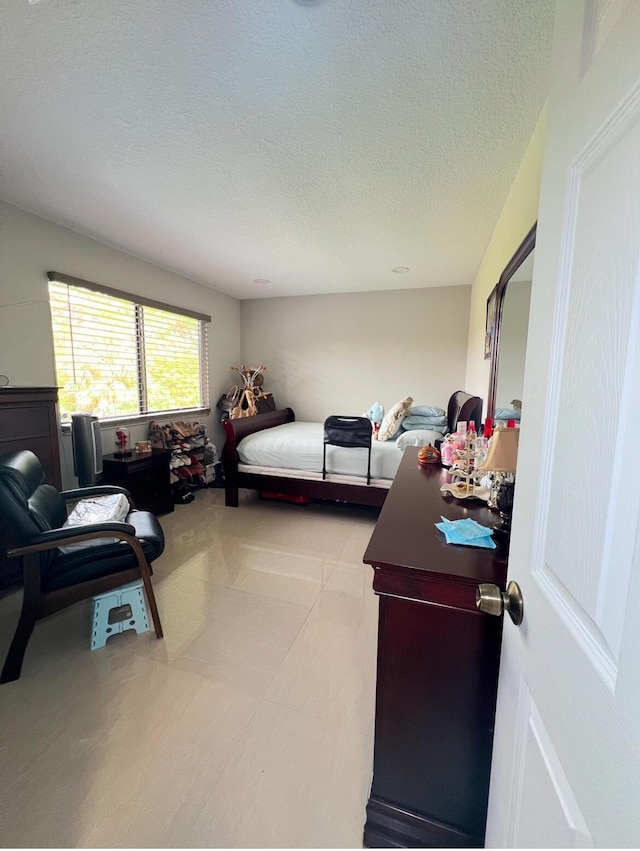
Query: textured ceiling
315	144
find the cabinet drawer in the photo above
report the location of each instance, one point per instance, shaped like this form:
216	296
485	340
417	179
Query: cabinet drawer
146	464
24	421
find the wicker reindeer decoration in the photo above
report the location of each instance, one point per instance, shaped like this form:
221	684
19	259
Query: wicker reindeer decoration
248	392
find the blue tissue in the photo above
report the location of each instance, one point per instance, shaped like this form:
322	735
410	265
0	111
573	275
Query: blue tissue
466	532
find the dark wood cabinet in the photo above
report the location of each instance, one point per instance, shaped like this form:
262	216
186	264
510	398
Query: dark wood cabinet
438	660
28	421
146	477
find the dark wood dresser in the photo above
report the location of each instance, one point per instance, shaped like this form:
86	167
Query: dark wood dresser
28	421
438	660
146	477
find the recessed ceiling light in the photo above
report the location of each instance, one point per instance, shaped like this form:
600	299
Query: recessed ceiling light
261	281
400	269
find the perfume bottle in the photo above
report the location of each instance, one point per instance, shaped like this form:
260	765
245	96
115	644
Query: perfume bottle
471	435
446	451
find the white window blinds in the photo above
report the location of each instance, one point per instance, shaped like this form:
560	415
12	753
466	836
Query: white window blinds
119	357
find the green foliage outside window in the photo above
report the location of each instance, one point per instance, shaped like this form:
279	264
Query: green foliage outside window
115	358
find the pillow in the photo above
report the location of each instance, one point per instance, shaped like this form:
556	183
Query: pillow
375	413
391	422
417	437
417	418
426	411
438	424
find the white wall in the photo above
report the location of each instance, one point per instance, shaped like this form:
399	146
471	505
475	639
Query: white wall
31	246
338	354
518	215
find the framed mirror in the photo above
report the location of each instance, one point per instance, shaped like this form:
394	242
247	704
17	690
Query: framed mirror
506	331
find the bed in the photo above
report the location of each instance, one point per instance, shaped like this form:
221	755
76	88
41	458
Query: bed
287	465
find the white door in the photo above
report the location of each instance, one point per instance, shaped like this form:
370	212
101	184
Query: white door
566	767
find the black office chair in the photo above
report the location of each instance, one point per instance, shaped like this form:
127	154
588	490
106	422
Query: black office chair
32	515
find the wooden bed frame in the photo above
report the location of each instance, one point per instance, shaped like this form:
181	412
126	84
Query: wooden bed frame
287	486
462	406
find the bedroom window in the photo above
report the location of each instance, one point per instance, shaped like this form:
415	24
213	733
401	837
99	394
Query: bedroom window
120	356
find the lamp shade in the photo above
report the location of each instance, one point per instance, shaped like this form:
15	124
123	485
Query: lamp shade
503	451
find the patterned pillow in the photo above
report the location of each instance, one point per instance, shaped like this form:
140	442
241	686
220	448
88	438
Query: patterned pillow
393	419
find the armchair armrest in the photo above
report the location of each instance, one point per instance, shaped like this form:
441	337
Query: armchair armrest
74	534
95	490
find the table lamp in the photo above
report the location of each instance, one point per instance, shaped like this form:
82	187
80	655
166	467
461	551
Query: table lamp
502	458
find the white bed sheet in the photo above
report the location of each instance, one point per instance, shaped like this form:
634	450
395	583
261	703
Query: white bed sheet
298	446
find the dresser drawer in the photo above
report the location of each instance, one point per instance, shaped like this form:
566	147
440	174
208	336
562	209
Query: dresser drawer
25	421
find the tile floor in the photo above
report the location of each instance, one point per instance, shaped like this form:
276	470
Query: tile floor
249	725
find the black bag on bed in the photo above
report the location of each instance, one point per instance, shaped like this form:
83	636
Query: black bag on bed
347	431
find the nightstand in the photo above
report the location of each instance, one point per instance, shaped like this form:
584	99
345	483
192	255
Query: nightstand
146	477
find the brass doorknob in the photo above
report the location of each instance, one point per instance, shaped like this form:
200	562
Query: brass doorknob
491	600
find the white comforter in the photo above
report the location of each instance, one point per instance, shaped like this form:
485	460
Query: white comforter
298	446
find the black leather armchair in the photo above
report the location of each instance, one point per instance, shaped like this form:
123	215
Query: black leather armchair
32	515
